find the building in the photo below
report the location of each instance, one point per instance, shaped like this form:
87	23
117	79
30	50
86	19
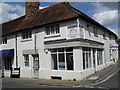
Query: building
57	42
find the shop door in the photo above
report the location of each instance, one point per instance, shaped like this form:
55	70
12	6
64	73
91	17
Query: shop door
36	66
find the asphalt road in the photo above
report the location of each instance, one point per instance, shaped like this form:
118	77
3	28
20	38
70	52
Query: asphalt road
112	82
25	85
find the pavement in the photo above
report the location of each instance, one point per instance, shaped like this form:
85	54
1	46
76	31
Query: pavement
94	79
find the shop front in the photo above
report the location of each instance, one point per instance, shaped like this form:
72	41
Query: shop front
7	57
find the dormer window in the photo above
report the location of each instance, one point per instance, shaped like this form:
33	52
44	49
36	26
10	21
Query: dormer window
4	40
27	34
52	30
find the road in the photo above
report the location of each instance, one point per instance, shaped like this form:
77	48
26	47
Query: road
110	83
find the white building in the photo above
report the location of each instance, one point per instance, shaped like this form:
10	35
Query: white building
56	42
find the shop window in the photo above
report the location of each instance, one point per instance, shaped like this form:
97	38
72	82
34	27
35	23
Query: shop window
99	57
86	58
26	59
62	58
52	30
27	34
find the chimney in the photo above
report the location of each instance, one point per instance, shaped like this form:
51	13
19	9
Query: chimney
31	7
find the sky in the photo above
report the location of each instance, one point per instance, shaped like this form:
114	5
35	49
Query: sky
105	13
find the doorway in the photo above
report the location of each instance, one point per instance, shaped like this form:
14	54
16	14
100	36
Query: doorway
36	66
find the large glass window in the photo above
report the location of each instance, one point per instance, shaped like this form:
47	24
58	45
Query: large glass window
62	58
86	58
99	57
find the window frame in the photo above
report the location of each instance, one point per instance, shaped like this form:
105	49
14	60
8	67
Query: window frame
65	62
52	30
87	62
27	34
99	57
26	60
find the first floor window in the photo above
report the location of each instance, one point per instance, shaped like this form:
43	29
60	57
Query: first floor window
26	59
99	57
52	30
27	34
62	58
86	58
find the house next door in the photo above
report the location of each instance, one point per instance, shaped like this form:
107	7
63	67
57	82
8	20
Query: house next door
36	66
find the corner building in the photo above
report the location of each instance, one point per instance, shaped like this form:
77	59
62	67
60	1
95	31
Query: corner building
56	42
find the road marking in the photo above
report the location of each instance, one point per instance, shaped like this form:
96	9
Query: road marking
93	78
106	78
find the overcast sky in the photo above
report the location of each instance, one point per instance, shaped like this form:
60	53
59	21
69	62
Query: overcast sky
106	13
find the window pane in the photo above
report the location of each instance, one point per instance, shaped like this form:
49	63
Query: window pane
61	61
53	50
54	59
83	60
89	59
86	60
69	59
70	49
60	49
26	58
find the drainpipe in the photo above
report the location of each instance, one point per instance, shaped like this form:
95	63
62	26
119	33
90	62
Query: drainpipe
16	52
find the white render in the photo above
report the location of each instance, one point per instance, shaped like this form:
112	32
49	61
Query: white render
45	68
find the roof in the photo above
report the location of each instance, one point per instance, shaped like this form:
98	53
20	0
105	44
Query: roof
58	12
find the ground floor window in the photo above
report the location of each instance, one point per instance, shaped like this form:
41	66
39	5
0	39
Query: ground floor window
7	63
86	57
62	58
99	57
26	60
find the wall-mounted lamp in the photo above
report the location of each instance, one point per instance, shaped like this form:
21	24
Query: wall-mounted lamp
46	51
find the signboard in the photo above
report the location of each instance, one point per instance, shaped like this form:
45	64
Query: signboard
72	31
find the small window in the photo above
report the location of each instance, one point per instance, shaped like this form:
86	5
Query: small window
27	34
26	59
95	31
4	40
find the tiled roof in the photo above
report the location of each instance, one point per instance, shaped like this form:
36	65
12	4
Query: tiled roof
58	12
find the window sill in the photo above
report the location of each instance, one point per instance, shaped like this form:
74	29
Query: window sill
25	40
52	36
